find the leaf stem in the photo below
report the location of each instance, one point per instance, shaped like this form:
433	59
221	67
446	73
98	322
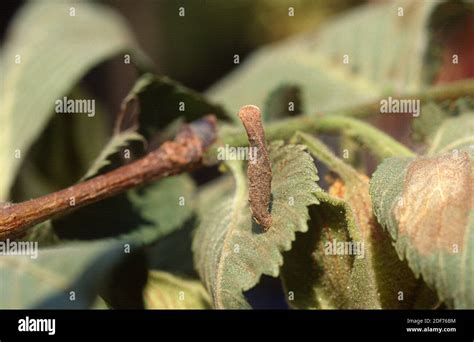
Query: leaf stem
436	93
379	143
320	151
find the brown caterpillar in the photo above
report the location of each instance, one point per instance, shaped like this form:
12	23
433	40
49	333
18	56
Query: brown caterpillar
259	168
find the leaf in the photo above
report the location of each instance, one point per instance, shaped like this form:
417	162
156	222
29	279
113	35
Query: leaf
387	53
426	204
162	100
346	260
310	278
47	281
116	143
42	233
166	291
54	56
99	304
454	134
283	101
173	252
230	251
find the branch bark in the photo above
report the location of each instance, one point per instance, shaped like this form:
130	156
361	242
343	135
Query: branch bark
182	154
259	170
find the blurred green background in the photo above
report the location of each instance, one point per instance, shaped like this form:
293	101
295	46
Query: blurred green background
199	48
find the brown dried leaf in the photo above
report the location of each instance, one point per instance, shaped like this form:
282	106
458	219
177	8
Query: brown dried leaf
427	206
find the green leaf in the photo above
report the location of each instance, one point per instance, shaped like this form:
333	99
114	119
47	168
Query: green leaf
173	252
162	100
426	204
454	134
42	233
387	53
231	251
164	207
115	145
346	259
99	304
166	291
47	281
312	279
54	56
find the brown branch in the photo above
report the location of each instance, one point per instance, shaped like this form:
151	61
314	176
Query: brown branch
184	153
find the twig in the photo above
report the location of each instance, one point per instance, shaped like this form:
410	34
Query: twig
259	170
172	157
